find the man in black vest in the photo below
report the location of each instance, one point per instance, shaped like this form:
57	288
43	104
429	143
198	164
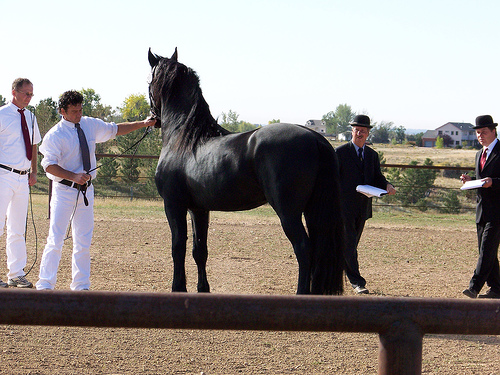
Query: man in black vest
359	165
487	210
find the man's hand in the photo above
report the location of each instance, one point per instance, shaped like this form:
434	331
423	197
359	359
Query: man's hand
81	178
150	121
32	179
487	182
465	177
390	189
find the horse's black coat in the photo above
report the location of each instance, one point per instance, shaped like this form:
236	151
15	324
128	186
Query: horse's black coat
203	167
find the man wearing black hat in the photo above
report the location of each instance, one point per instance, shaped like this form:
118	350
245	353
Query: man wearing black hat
359	165
487	210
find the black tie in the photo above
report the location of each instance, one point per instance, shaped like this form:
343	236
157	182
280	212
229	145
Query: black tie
84	147
360	153
85	158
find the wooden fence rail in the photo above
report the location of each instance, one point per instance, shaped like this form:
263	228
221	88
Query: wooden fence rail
400	322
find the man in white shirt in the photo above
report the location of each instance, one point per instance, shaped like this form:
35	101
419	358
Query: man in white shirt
19	136
73	192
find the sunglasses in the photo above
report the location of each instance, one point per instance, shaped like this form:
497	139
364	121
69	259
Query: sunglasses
29	95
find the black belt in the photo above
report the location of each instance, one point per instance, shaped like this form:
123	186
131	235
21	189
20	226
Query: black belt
82	188
15	170
75	185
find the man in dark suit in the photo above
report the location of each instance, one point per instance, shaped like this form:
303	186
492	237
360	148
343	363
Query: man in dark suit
487	210
359	165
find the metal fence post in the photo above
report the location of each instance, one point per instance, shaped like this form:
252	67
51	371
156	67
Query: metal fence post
400	349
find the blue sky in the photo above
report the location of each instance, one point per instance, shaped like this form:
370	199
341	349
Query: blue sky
418	64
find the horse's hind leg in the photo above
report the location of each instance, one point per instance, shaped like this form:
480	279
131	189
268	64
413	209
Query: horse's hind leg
200	220
296	233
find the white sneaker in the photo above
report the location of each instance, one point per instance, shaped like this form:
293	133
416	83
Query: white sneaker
361	290
21	282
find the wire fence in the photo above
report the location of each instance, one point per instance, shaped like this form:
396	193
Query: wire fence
443	195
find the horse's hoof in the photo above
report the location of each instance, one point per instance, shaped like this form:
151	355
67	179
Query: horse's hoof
180	290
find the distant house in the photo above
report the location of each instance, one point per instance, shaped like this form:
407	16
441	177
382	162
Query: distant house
460	134
316	125
429	138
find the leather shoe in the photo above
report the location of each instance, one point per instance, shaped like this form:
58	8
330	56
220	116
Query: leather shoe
361	290
471	293
490	294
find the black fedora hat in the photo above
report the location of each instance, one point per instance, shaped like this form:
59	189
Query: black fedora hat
485	121
361	120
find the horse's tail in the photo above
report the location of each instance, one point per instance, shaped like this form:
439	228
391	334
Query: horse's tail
325	225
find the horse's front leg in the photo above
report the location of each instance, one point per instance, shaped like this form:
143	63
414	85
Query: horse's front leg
178	226
200	220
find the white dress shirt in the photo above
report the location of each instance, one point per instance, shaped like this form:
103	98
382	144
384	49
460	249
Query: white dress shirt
61	146
490	147
12	148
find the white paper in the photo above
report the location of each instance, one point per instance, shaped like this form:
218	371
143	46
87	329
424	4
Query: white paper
472	184
370	191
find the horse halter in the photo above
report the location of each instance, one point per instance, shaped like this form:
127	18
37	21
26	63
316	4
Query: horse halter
152	103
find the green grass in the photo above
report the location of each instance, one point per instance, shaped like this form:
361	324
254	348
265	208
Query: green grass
394	216
142	208
415	218
124	207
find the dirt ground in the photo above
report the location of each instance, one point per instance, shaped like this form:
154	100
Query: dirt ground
248	254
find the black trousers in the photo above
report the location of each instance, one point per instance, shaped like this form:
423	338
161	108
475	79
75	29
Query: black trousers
354	228
487	268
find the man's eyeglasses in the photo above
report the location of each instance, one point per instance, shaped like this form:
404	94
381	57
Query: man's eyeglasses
360	131
28	94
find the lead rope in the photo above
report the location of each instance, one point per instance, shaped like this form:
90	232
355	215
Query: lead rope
146	132
33	117
72	216
34	231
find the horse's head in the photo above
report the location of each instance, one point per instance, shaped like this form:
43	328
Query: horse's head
173	85
154	59
154	91
176	98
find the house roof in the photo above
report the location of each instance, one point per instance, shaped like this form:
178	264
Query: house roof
430	134
463	126
314	123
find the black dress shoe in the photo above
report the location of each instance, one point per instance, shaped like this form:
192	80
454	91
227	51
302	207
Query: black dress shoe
490	294
471	293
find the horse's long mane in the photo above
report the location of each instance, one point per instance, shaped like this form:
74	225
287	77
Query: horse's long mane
184	109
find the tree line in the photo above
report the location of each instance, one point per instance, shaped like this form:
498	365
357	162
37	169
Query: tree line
135	106
416	186
337	122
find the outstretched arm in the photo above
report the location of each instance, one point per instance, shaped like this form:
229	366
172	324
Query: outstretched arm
127	127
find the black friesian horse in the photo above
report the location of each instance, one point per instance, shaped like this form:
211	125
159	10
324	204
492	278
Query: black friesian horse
203	168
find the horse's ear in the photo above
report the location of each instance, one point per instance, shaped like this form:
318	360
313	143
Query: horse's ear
174	56
153	58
